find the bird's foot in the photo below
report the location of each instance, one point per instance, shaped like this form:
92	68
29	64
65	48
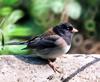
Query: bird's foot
55	67
64	56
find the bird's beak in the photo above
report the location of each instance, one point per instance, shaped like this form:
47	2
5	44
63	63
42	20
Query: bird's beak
74	30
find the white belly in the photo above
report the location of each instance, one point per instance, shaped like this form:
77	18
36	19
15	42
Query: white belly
66	48
53	53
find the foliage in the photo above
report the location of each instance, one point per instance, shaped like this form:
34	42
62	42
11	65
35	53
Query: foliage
22	19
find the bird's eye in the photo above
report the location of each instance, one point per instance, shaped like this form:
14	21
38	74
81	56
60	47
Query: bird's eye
69	28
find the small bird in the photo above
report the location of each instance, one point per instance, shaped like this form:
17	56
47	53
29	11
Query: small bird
53	43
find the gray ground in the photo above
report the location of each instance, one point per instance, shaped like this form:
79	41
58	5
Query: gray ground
75	68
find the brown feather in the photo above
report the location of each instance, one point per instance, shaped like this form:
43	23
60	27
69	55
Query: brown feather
48	33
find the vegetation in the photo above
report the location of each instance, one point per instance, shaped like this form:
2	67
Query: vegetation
22	19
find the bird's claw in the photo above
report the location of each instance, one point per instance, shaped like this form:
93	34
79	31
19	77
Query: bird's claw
55	67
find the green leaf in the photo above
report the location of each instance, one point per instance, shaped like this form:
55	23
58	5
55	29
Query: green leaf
20	31
15	16
11	19
17	49
10	2
14	49
5	11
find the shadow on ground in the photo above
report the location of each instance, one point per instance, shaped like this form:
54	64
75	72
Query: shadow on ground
32	60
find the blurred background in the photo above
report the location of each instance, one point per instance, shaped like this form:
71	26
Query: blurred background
21	20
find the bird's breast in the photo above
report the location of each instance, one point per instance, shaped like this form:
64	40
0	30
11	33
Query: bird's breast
62	44
66	48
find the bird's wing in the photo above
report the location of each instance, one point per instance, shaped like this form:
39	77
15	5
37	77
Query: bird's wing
42	43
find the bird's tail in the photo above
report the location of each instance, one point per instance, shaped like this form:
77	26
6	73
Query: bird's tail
10	43
16	43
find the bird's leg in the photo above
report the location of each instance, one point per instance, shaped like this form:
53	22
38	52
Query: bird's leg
64	56
54	66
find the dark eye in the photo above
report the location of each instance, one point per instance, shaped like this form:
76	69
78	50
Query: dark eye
70	28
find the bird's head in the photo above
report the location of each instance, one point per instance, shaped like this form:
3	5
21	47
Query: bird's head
66	31
65	28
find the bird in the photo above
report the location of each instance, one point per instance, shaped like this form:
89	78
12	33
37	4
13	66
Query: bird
52	44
